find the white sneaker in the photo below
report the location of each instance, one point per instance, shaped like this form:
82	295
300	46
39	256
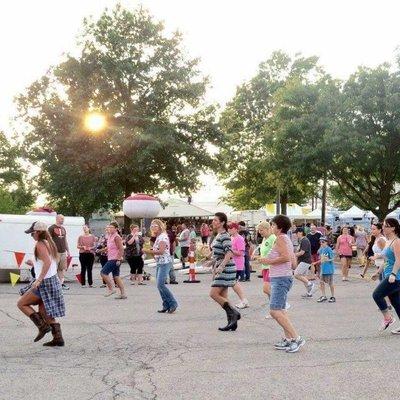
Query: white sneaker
287	306
314	288
396	331
310	288
243	304
268	316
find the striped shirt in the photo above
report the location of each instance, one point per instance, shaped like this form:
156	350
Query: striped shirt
221	245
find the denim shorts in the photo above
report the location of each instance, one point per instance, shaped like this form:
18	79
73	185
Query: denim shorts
110	267
280	287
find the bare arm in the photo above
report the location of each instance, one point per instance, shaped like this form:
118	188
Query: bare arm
131	240
337	244
396	250
118	242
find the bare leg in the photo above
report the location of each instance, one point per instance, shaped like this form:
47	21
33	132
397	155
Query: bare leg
120	284
220	295
332	288
303	279
239	291
108	281
322	287
281	317
267	288
26	301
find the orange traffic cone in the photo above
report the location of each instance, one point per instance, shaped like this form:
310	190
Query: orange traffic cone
192	270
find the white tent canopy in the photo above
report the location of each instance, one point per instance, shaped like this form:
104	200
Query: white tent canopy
317	214
353	212
181	209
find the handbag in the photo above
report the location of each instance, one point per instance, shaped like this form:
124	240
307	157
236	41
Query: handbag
354	250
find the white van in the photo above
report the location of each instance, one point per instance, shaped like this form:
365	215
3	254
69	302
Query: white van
14	239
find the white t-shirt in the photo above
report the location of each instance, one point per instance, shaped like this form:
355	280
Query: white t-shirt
185	234
38	265
164	258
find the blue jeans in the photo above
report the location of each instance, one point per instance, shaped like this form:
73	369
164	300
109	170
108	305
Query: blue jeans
280	287
167	297
391	290
247	265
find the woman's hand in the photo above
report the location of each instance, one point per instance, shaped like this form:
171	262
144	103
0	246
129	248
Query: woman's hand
36	284
392	278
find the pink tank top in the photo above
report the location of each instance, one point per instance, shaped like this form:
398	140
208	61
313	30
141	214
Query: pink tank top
112	249
345	245
283	269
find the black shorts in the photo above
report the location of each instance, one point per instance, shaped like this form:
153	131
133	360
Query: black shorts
184	252
136	264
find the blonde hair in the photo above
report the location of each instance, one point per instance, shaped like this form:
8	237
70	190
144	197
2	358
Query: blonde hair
160	224
263	225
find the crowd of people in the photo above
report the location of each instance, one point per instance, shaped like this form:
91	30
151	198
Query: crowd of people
285	252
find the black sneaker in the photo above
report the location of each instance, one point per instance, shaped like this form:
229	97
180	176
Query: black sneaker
174	282
332	300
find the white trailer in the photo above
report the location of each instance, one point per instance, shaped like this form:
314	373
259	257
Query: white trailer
14	239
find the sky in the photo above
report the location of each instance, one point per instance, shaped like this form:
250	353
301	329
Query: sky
231	38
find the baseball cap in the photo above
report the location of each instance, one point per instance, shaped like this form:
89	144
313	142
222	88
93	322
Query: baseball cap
323	239
37	226
233	225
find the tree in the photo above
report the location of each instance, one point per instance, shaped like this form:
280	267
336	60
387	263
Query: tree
253	173
15	193
303	118
365	140
158	129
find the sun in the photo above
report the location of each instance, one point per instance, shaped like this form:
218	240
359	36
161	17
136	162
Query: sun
95	122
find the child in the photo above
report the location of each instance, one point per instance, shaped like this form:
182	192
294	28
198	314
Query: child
327	270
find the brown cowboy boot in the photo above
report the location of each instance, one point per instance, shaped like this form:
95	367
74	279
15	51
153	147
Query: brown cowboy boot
57	336
42	325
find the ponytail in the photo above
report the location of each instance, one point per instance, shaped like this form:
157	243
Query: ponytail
222	218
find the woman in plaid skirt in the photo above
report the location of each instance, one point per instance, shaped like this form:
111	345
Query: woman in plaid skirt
45	291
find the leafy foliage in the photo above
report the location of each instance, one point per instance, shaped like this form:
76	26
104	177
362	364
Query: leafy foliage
15	193
158	129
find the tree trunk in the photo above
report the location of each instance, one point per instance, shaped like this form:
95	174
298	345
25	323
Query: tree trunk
278	202
284	201
127	220
323	206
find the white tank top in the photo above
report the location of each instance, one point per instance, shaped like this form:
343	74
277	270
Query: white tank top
377	250
38	264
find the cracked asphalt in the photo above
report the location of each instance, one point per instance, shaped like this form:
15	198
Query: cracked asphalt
126	350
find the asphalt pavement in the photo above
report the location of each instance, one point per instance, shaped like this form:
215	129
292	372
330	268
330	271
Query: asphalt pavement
124	349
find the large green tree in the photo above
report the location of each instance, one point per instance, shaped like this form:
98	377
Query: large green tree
151	92
16	194
365	140
254	174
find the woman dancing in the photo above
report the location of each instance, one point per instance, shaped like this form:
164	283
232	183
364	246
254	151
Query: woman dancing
45	291
224	270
